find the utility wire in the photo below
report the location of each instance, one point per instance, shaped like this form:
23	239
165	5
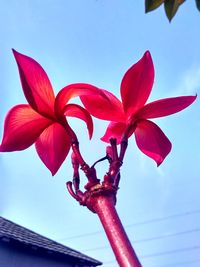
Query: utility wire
173	251
177	215
163	253
154	220
167	265
151	238
178	263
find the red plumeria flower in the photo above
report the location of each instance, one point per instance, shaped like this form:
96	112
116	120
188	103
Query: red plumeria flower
133	112
43	121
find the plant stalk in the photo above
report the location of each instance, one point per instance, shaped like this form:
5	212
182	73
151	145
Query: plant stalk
104	206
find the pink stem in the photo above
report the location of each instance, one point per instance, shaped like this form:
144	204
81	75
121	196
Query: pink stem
104	206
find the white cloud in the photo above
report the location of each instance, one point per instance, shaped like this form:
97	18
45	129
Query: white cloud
190	82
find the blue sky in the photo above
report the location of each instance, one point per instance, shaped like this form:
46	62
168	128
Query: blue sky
96	41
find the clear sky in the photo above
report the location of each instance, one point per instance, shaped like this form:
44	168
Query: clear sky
96	41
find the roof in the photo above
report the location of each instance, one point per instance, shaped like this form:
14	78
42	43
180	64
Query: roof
11	230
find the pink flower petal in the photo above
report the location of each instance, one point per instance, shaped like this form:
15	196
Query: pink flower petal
114	130
73	110
165	107
53	146
70	91
36	85
104	106
22	127
137	83
152	141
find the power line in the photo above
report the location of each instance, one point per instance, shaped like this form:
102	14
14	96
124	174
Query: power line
154	220
174	251
187	213
163	253
151	238
167	265
179	263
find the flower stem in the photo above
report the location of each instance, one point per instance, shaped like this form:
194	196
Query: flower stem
104	206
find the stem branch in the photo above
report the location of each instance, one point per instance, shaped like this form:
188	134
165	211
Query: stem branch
104	206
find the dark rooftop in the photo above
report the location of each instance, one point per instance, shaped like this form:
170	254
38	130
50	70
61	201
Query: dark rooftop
10	230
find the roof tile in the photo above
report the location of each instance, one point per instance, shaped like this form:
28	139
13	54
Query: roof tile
19	233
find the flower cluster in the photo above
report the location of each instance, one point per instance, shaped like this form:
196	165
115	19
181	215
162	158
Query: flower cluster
43	121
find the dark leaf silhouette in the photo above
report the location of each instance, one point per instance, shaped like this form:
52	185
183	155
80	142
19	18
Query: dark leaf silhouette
170	6
198	4
152	4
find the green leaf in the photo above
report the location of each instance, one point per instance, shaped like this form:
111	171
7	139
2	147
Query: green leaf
152	4
171	7
198	4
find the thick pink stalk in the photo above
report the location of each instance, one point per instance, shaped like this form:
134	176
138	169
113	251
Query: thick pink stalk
104	206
